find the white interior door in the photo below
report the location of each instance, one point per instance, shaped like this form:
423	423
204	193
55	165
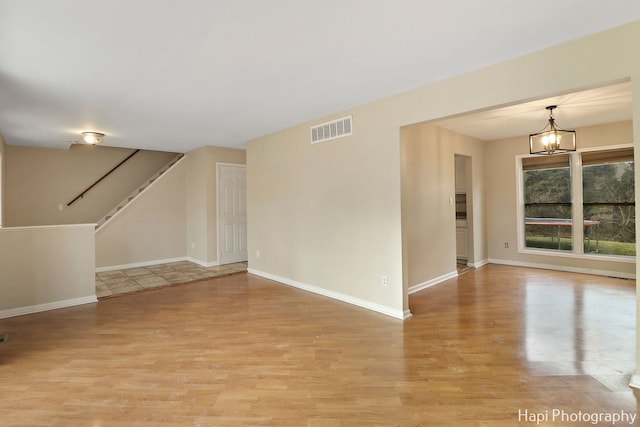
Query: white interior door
232	213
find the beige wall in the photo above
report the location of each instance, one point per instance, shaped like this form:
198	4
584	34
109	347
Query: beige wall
428	183
151	228
196	190
2	179
502	217
328	215
46	267
40	179
201	200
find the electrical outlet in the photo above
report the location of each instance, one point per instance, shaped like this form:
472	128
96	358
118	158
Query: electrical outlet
258	253
506	245
384	281
193	245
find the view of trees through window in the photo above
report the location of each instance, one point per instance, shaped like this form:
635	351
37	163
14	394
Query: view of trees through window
607	196
609	199
547	208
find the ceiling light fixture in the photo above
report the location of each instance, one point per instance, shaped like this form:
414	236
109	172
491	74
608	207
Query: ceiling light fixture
92	137
552	139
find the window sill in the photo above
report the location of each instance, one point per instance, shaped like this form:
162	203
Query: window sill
566	254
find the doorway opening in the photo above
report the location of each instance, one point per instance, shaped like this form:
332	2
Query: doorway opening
462	167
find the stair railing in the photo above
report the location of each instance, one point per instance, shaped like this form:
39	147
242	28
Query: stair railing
81	195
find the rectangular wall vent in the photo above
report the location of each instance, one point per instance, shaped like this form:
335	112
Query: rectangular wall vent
331	130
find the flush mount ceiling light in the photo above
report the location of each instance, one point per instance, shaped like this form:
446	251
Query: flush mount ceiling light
552	139
92	137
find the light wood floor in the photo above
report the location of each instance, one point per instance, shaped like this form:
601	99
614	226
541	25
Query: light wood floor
242	350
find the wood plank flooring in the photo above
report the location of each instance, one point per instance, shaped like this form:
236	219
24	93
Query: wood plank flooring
241	350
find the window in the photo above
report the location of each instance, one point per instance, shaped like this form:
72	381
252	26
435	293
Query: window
594	189
608	194
547	202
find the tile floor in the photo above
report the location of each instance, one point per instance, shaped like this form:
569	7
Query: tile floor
118	282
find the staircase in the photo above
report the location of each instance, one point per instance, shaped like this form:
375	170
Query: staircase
105	219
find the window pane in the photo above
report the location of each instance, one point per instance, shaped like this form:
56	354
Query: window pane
547	207
609	208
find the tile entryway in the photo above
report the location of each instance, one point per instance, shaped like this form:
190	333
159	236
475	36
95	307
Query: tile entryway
118	282
463	268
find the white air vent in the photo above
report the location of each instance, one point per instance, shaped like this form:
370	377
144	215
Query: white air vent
331	130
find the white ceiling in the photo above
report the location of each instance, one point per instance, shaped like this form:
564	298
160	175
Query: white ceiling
591	107
175	75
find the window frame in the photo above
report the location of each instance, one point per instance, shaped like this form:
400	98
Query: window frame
575	165
562	161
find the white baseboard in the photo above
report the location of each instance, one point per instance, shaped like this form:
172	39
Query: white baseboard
12	312
335	295
479	264
142	264
202	263
429	283
593	271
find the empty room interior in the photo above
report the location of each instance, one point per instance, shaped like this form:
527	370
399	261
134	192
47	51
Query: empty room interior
323	214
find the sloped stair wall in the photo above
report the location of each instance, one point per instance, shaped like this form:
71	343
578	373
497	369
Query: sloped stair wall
137	192
40	183
150	229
